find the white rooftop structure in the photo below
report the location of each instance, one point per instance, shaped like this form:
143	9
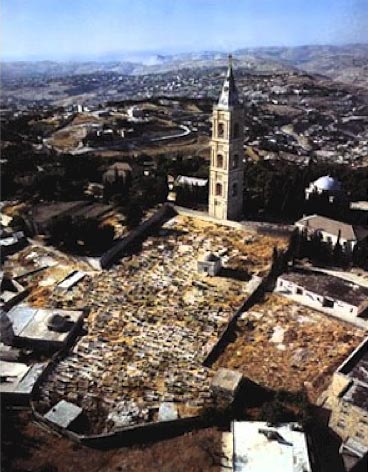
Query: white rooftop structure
44	325
191	181
63	414
253	446
17	378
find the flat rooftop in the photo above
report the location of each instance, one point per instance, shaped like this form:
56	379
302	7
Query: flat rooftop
280	344
329	286
357	394
18	378
360	370
153	321
32	324
356	368
258	448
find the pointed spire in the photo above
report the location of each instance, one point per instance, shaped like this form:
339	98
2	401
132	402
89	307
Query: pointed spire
229	94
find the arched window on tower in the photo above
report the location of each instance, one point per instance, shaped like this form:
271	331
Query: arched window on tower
235	161
234	190
220	130
220	160
218	189
236	131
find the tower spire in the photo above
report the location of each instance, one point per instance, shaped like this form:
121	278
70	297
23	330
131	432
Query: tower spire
229	94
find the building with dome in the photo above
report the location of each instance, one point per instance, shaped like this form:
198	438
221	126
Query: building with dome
326	185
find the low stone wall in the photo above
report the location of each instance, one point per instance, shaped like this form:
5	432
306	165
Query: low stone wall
230	327
206	217
266	284
137	434
110	256
258	227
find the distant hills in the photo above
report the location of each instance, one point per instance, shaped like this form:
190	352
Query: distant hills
348	63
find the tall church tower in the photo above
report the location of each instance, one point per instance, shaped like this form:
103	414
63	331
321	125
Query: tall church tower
227	167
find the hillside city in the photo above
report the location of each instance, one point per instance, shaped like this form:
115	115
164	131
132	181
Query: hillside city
184	252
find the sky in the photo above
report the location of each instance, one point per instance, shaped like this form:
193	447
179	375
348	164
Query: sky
95	29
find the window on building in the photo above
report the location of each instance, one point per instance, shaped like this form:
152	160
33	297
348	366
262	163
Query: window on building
328	303
218	189
220	130
236	131
220	160
234	190
299	291
235	161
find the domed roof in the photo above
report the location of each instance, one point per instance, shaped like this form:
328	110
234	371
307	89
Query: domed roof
328	183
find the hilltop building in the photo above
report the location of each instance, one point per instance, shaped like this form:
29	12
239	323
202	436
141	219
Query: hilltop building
347	398
332	230
226	166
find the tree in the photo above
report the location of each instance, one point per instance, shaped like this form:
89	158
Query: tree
82	235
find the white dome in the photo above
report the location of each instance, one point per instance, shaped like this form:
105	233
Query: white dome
327	183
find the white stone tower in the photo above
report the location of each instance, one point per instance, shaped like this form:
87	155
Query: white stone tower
227	167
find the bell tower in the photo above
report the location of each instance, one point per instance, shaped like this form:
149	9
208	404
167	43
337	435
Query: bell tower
227	167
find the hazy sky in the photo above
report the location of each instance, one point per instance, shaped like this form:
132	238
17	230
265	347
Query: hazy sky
56	29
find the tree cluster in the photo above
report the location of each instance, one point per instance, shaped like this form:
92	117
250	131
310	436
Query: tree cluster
321	252
191	195
276	190
80	235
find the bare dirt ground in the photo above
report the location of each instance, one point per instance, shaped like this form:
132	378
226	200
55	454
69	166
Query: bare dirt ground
285	346
28	447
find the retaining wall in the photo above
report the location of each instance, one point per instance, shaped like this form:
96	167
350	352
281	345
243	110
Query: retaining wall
110	256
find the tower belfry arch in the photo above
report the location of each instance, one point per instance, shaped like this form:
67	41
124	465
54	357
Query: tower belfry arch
226	166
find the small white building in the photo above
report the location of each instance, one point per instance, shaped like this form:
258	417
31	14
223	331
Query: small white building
331	295
191	181
209	264
135	112
330	230
254	446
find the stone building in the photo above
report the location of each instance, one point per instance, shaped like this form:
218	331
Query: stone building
209	263
347	398
332	231
226	166
331	295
